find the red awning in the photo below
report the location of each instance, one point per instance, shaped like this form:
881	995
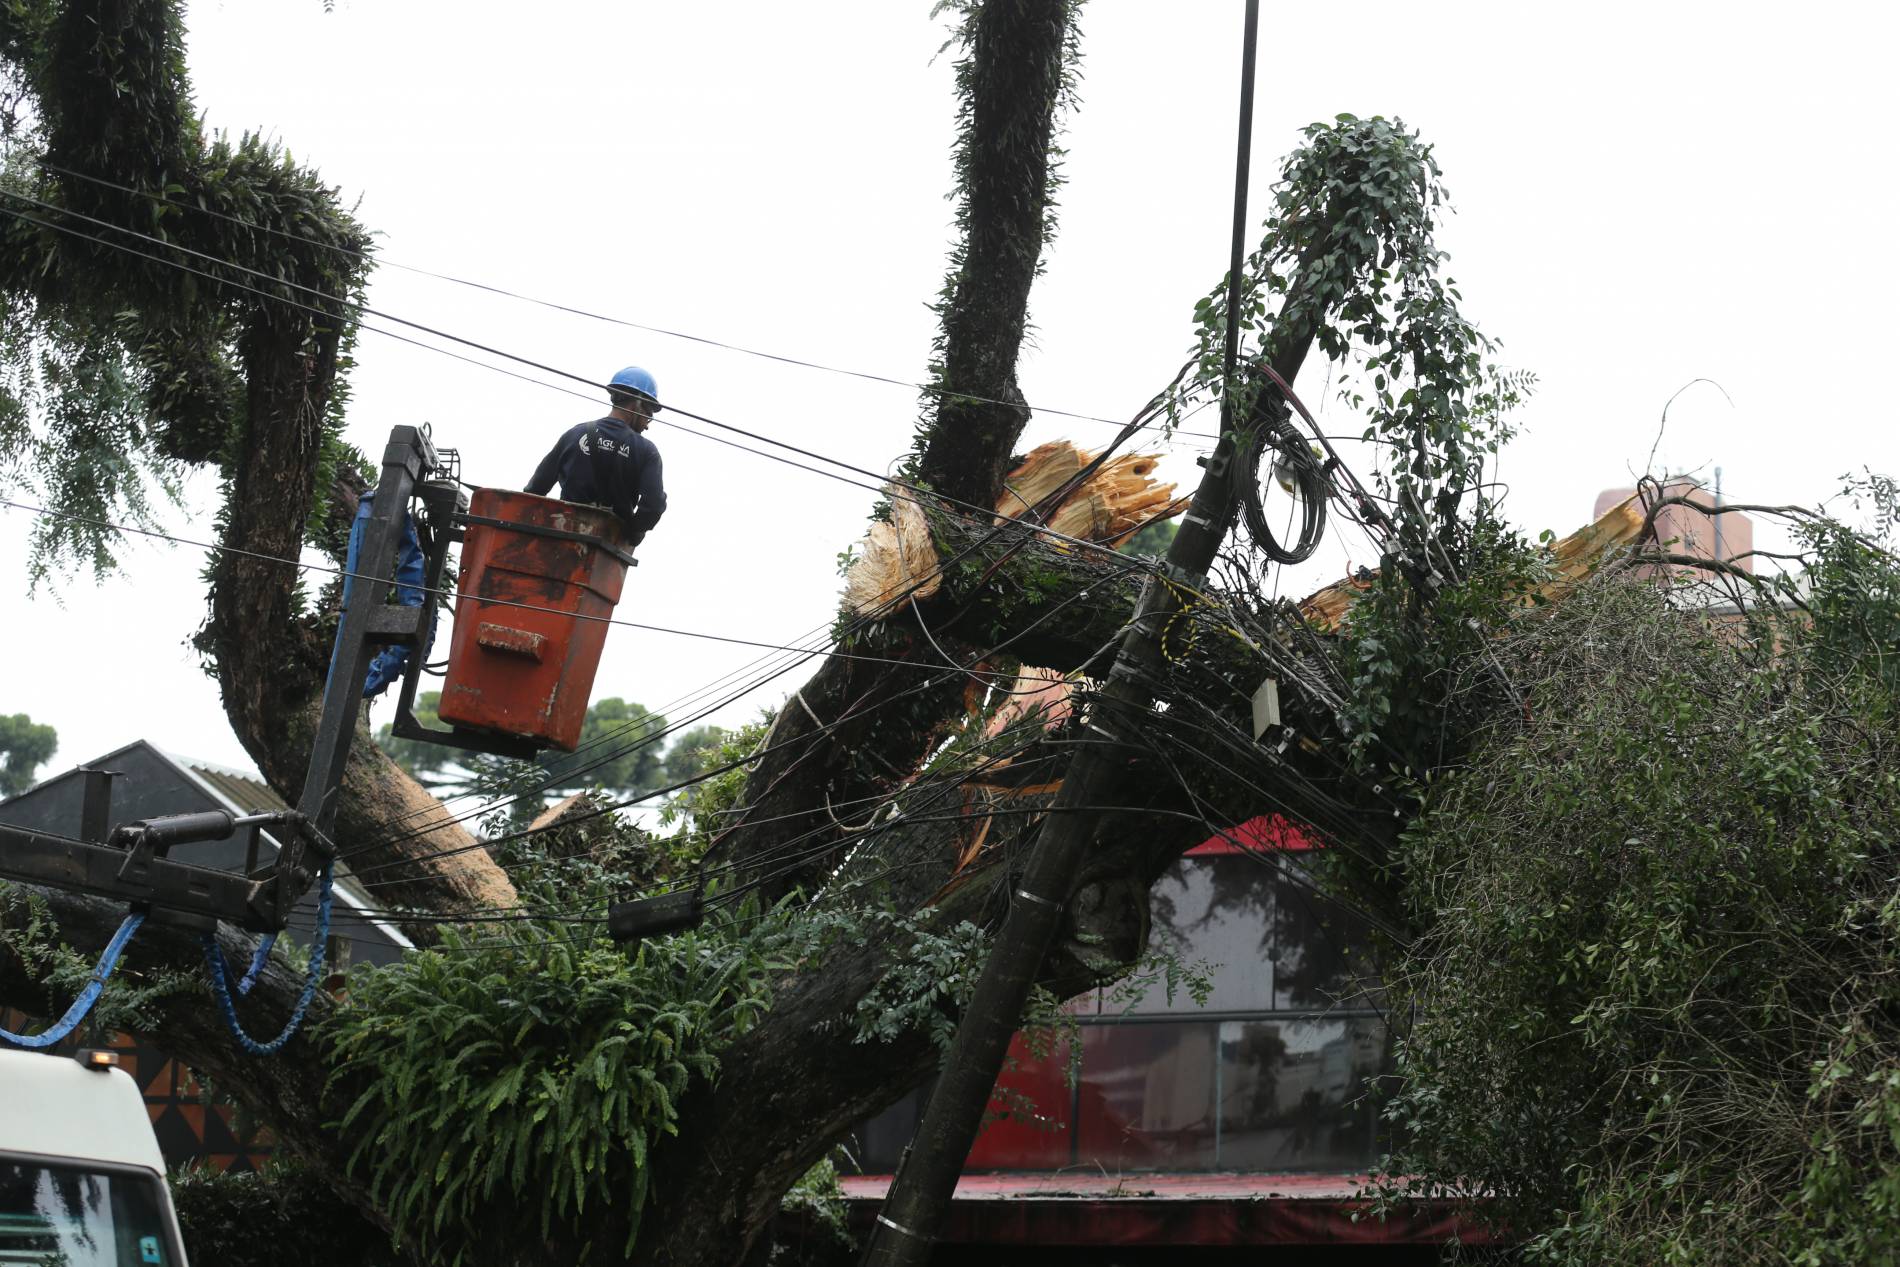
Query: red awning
1268	831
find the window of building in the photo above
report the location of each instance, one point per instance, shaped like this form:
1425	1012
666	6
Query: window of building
1275	1072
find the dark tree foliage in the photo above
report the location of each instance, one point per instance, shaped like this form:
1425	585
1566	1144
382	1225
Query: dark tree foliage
284	1215
177	331
24	747
1652	980
1016	74
177	299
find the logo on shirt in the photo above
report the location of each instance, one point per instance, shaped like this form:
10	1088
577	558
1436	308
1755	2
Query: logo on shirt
607	445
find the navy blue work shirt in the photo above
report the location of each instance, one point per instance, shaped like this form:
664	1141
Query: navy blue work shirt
607	463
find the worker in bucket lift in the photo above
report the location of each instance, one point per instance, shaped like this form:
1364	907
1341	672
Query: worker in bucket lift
608	462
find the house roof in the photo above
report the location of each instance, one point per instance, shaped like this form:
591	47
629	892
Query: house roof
244	793
231	790
1260	834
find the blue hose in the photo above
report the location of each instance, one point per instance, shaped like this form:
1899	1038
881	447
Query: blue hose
258	961
221	986
108	960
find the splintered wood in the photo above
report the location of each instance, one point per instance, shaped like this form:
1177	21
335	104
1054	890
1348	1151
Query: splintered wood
897	562
1573	559
1114	503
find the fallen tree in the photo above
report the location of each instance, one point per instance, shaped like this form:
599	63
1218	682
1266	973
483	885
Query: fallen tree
1654	914
601	1103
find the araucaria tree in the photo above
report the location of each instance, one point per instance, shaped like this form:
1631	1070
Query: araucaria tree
602	1104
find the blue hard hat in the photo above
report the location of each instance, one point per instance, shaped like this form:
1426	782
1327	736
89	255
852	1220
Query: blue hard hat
635	379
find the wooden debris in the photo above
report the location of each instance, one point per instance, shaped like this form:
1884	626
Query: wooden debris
1116	501
895	557
1040	691
1111	505
1041	473
559	812
1574	558
1581	553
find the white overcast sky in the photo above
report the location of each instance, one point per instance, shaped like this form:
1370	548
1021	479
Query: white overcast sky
1646	194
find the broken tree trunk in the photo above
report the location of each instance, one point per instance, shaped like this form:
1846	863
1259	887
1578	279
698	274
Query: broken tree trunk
898	563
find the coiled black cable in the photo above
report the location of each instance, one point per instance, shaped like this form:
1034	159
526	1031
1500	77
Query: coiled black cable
1270	449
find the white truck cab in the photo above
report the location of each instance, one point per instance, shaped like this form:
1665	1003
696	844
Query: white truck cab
82	1182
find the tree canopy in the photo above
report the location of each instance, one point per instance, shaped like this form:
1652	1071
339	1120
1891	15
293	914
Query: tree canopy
1654	928
24	748
624	750
1516	777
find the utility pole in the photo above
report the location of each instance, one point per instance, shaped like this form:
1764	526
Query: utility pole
927	1176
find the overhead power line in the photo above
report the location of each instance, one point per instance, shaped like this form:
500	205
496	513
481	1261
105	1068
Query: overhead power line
801	652
365	310
929	388
888	486
985	514
739	813
305	565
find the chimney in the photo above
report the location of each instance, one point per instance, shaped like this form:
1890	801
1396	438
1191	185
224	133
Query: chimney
1680	530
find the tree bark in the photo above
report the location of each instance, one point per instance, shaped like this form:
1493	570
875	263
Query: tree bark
1013	79
272	662
859	728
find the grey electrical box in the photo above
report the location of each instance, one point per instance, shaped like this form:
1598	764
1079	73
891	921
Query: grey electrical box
1266	707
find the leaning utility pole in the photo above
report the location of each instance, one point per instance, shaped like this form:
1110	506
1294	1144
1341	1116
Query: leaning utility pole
927	1176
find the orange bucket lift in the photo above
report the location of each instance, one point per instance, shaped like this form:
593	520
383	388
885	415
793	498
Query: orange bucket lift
540	579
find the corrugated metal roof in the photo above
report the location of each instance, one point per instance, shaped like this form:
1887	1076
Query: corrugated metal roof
246	794
243	794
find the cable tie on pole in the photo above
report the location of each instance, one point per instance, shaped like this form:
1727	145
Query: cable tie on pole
901	1230
1027	896
1182	576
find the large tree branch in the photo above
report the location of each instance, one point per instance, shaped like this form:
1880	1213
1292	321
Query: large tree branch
860	727
857	728
271	662
1012	78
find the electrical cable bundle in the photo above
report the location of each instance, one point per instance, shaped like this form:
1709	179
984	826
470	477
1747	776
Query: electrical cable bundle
1293	462
1274	451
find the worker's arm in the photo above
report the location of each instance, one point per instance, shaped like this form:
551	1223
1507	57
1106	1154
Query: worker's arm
550	469
652	493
